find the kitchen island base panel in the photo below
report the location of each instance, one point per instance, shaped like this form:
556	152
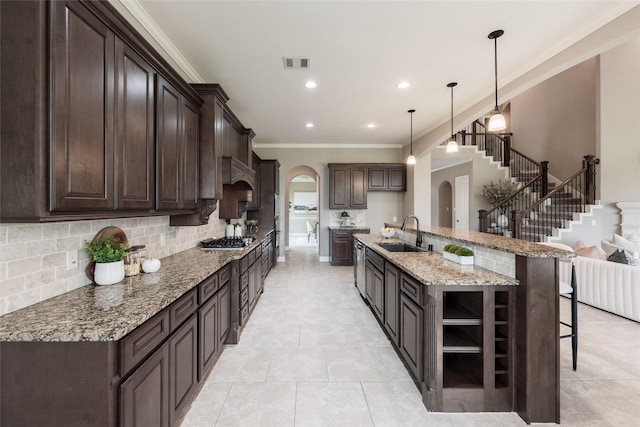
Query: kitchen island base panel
537	383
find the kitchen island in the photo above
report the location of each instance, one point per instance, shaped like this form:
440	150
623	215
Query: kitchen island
502	354
131	353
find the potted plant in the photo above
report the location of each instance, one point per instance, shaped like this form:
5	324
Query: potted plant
108	256
496	193
458	254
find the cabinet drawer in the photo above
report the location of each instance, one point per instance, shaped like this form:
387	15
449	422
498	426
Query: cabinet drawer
265	245
142	341
375	259
244	280
244	312
244	296
412	289
208	287
244	263
224	275
252	257
258	251
180	310
342	234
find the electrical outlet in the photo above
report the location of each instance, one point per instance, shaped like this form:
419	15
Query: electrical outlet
593	222
72	259
395	219
163	239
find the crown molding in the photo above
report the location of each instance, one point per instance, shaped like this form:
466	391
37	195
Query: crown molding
140	14
324	145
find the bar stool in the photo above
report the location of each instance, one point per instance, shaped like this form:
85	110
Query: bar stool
569	287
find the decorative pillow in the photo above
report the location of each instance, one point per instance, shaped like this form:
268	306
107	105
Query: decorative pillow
618	256
633	238
590	251
623	243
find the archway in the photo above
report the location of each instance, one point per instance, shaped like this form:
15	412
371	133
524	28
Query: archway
302	205
445	204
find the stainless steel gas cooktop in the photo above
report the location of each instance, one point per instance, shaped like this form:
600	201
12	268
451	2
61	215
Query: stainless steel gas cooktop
227	243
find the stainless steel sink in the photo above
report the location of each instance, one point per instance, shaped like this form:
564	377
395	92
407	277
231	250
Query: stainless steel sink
398	247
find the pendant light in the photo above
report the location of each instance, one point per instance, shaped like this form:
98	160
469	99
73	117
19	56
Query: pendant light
411	160
497	121
452	146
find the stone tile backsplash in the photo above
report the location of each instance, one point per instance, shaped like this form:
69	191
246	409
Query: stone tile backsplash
33	257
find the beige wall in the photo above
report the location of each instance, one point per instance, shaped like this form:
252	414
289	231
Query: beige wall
556	120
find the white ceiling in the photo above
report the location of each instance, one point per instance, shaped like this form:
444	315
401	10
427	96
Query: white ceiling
359	51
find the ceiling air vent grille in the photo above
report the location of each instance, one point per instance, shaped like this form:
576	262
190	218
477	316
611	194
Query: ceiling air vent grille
296	63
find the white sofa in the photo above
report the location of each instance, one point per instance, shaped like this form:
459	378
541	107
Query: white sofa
607	285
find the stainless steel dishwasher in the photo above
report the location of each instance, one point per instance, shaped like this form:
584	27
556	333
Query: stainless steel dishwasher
358	259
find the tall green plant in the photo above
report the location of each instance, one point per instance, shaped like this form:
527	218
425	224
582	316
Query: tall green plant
496	193
106	250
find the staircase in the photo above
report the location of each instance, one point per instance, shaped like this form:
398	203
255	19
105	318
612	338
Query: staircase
539	208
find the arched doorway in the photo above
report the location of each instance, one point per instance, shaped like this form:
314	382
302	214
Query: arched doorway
302	208
445	204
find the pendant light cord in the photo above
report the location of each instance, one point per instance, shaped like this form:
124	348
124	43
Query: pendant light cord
495	56
411	129
452	138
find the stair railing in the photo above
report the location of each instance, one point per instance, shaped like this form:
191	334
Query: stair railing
498	146
558	206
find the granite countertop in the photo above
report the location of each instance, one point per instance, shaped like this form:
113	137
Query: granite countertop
492	241
108	313
431	269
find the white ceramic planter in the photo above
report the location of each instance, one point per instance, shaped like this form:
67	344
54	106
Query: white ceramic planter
108	273
464	260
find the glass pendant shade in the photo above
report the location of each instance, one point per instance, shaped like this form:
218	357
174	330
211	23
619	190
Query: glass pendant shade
411	160
452	146
497	122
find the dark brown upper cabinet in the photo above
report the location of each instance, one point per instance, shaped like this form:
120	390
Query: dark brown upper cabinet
387	177
176	149
347	186
211	137
135	143
82	140
79	136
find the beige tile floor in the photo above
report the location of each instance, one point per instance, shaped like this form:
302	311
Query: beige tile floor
312	354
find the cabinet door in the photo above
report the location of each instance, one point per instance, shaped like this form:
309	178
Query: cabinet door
339	183
134	146
411	335
377	178
391	301
189	164
168	145
253	284
208	317
144	396
81	152
341	248
224	313
183	367
358	188
397	179
378	294
368	281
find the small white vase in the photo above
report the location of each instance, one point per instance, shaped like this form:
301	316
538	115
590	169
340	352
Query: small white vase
108	273
503	221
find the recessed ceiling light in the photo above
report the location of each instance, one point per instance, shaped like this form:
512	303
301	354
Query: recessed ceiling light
310	84
371	125
403	85
309	125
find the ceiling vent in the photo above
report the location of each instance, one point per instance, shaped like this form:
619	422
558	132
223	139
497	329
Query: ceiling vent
296	63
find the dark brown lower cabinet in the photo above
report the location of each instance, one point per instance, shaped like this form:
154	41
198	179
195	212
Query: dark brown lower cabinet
391	302
411	335
183	366
144	396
